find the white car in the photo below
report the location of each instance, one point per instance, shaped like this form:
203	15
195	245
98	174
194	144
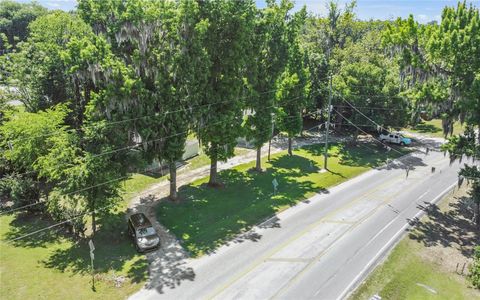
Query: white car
395	138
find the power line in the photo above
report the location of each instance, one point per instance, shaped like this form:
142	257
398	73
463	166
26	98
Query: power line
122	149
173	135
20	208
367	133
378	125
58	224
162	138
374	108
62	222
362	113
90	212
156	114
73	192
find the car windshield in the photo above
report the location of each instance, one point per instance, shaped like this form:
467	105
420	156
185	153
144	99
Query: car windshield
142	232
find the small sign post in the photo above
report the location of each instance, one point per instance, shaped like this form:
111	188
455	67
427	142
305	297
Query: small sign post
275	185
92	257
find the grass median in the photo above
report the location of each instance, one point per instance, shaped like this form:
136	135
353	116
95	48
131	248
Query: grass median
206	218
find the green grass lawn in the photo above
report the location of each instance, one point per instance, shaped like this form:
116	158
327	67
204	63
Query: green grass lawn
52	266
141	181
427	258
397	278
207	217
433	128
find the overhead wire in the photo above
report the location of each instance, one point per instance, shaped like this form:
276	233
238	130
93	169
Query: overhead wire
111	123
173	135
387	146
127	148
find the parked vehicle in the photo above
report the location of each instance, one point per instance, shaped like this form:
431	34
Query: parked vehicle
395	138
142	232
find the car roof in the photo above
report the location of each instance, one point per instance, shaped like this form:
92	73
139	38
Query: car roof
139	220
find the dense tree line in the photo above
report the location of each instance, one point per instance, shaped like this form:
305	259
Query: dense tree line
115	84
440	69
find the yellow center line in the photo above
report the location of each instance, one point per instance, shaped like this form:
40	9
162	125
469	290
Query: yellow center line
355	225
298	235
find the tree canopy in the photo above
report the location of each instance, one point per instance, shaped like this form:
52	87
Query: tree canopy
114	85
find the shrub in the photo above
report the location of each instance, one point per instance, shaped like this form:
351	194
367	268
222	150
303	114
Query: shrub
474	270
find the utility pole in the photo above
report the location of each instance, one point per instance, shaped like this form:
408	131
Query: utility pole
92	257
271	136
327	128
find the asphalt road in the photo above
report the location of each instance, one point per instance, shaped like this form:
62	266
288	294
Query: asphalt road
319	249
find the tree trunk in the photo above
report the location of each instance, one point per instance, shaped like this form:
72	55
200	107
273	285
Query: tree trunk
173	181
213	172
477	214
269	145
290	146
94	222
258	166
338	122
478	136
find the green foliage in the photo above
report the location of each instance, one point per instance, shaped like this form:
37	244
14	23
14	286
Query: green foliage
474	274
164	48
64	62
322	38
14	20
466	145
366	77
294	84
4	106
441	62
269	54
230	27
26	138
39	70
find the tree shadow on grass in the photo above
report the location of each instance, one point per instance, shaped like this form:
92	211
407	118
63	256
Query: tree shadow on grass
319	149
374	155
26	223
112	250
208	218
450	228
294	165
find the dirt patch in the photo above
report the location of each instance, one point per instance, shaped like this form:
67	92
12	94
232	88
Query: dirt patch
447	233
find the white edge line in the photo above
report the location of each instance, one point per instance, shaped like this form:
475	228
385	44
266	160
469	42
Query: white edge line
356	281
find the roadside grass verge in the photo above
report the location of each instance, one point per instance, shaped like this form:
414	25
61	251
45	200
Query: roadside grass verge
405	275
433	128
206	218
424	264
